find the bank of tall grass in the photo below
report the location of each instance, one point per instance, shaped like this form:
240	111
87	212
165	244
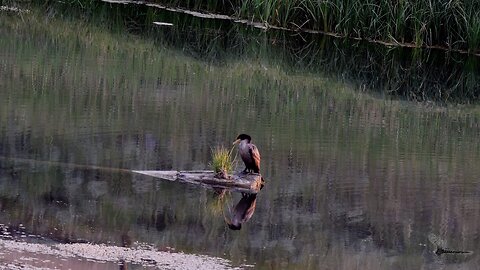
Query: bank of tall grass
451	24
419	75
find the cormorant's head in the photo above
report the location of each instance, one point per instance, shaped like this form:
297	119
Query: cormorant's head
242	137
235	227
232	225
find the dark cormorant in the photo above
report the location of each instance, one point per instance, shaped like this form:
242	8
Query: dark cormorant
249	153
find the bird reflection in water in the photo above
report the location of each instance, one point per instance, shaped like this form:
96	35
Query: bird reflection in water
242	212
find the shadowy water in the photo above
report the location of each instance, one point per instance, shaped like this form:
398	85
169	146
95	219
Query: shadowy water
358	173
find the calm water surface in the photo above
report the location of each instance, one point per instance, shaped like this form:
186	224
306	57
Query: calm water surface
356	178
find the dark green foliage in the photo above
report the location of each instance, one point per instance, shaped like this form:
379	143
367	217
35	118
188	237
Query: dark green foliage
451	24
421	75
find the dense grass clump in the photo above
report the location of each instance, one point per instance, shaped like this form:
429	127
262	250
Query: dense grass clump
222	160
449	24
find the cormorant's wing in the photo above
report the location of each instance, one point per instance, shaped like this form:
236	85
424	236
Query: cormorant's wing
255	154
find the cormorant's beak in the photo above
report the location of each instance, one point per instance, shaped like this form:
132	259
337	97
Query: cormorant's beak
236	141
227	220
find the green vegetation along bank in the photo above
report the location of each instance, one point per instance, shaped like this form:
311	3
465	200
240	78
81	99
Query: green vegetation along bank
435	23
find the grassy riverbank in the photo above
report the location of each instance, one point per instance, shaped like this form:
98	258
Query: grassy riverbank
420	75
451	25
438	23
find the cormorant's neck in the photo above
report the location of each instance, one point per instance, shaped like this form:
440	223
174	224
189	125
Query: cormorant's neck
243	143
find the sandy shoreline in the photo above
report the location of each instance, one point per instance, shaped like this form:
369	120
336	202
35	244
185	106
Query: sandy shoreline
16	254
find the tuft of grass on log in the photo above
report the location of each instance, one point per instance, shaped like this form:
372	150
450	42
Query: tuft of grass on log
222	163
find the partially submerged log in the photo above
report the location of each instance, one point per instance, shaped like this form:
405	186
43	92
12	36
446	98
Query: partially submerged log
240	181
